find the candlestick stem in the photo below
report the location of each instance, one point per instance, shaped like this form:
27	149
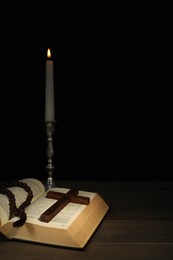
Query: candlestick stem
50	128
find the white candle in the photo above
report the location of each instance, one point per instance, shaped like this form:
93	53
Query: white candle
49	95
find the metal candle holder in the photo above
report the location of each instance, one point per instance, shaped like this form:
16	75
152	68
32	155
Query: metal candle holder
50	129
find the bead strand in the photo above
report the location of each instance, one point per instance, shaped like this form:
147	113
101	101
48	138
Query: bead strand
14	211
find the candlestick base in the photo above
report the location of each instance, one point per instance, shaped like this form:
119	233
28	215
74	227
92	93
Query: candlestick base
50	183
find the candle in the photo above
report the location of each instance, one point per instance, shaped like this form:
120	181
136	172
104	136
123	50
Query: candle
49	92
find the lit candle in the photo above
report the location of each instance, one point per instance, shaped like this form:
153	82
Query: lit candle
49	97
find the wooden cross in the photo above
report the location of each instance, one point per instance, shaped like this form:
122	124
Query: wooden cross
63	200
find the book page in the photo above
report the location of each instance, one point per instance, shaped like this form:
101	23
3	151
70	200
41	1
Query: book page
20	195
3	215
36	186
64	218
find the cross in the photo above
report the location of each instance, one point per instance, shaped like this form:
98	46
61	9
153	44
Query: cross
63	200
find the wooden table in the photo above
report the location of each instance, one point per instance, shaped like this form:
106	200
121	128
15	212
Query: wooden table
139	225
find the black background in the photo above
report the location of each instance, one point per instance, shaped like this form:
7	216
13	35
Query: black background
113	82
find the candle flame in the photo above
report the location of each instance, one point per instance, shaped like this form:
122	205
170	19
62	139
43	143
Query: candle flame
48	53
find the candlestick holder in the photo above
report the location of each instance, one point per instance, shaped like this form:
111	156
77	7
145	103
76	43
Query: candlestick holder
50	129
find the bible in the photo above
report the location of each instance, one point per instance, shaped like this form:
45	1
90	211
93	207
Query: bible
60	216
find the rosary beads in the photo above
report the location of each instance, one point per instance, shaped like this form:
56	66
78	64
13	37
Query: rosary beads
14	211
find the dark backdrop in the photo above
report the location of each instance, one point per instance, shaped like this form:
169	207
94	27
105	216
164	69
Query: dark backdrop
113	81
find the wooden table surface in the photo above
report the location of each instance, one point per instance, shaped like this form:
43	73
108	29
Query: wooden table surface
139	225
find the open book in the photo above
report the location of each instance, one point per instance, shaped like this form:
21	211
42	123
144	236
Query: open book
71	227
